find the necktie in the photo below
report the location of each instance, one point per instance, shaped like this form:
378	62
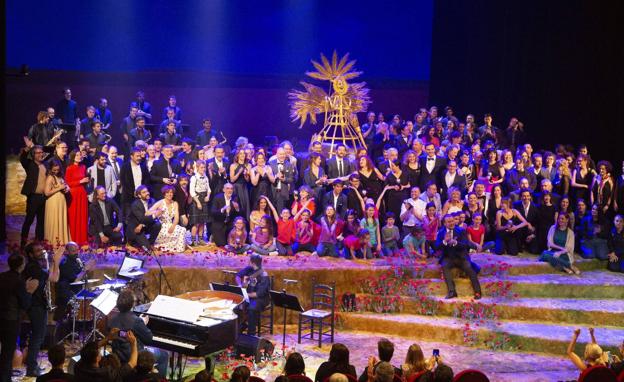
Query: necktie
340	171
169	168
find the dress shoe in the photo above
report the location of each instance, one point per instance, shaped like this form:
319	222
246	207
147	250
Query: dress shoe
477	296
450	295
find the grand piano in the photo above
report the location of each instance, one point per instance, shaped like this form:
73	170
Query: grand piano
213	332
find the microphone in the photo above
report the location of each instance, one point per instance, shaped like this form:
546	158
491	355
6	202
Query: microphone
145	249
290	281
79	261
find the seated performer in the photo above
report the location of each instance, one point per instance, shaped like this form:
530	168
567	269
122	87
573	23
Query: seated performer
103	214
453	243
141	220
256	280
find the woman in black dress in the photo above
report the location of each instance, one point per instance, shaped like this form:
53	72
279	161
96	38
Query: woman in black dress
602	188
370	178
546	219
492	170
314	177
411	168
397	179
582	178
562	181
493	205
240	171
261	178
508	224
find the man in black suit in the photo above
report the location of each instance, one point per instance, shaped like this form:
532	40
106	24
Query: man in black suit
403	141
431	167
284	179
392	156
103	213
340	167
224	209
164	171
138	224
354	198
529	212
336	199
31	158
127	125
451	178
454	244
133	173
14	299
218	170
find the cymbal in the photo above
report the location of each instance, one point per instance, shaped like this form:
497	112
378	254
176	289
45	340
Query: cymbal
82	282
112	284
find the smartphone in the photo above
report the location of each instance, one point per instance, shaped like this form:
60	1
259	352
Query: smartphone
123	334
436	352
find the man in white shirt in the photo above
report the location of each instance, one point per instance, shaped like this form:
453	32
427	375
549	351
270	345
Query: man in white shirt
101	174
431	196
412	211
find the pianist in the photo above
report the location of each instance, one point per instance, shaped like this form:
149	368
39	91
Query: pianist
126	320
257	282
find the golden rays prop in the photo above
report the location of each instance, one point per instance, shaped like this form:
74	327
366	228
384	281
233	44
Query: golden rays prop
339	104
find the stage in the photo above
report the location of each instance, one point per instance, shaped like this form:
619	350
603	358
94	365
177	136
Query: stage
518	331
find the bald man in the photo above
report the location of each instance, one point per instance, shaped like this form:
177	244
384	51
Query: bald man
71	269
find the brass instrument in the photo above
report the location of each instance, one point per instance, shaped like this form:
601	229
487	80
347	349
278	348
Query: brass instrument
107	138
46	289
57	135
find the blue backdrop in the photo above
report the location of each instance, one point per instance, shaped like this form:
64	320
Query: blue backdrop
390	39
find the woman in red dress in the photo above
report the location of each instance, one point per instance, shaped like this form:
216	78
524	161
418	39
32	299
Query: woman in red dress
76	178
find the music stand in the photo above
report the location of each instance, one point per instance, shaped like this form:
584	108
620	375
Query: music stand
230	288
286	302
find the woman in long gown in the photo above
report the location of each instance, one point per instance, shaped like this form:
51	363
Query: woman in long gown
239	176
172	237
261	179
582	178
56	231
397	180
546	219
77	211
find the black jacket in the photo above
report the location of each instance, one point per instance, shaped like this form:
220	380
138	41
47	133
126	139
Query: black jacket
160	171
96	218
341	205
127	180
14	297
32	172
137	215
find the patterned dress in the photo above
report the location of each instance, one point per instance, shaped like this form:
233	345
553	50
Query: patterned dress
170	242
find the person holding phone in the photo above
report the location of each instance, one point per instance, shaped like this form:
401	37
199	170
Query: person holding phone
89	368
126	323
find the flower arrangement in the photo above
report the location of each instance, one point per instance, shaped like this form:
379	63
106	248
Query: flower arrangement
498	269
476	313
500	289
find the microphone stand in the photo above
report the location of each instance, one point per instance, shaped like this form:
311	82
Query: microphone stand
161	273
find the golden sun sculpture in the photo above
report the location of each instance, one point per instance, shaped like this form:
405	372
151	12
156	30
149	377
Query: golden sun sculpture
339	104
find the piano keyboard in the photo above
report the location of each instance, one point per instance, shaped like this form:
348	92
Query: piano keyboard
169	341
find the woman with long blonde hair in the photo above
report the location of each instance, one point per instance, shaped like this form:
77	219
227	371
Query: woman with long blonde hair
415	362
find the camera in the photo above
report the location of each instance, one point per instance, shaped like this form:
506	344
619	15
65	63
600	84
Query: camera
436	352
123	334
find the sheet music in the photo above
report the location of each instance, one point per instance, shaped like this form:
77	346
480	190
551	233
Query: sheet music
245	295
105	302
176	308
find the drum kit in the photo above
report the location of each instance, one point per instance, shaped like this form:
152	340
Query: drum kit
82	310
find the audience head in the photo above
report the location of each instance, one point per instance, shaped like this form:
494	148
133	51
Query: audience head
16	263
443	373
142	192
56	356
339	353
125	301
294	364
203	376
385	349
339	377
384	372
240	374
90	353
145	362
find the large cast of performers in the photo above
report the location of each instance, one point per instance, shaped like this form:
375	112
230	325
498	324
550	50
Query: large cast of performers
432	187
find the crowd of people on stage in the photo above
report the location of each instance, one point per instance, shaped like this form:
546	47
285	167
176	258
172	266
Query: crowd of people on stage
390	198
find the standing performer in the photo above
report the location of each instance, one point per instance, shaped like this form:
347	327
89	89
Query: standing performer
257	282
453	243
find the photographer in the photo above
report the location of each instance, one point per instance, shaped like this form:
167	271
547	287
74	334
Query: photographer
89	368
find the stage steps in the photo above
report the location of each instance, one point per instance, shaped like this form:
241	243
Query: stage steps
543	337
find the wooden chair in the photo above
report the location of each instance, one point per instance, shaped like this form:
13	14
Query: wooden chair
321	313
265	320
597	374
471	375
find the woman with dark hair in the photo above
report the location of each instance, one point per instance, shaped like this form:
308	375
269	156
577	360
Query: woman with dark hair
314	176
560	252
294	367
171	237
240	171
411	168
397	182
492	170
338	363
594	231
262	239
304	200
564	207
493	205
508	224
240	374
261	209
77	211
261	179
431	136
602	188
55	226
616	245
371	178
546	218
581	179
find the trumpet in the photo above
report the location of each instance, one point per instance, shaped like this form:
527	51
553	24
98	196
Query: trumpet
47	290
57	135
107	138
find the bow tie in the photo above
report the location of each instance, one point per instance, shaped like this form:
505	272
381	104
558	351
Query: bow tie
429	159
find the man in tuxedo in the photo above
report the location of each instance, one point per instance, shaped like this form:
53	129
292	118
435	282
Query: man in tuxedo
31	159
224	209
101	174
133	173
452	179
529	212
164	171
218	170
60	154
340	167
103	214
138	224
336	199
431	166
284	179
453	242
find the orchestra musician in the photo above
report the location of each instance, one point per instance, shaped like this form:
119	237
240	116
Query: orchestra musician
257	282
